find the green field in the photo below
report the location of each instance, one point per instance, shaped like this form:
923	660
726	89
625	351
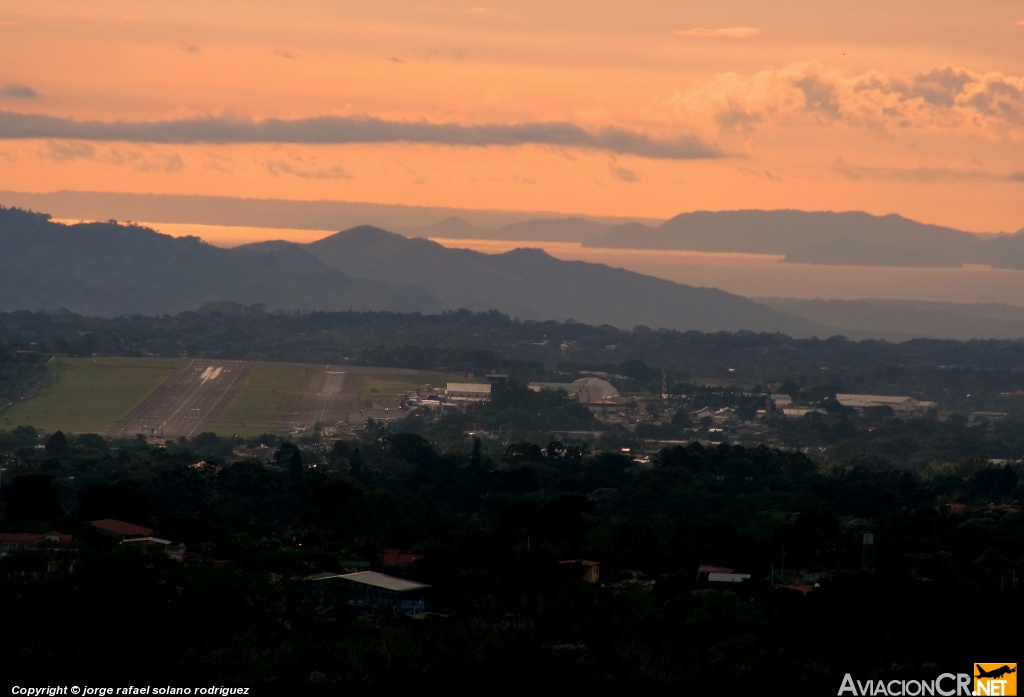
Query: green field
89	395
269	393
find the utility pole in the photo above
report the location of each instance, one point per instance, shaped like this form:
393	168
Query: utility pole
782	571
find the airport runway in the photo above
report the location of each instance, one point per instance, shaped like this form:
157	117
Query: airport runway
187	401
330	398
327	399
190	401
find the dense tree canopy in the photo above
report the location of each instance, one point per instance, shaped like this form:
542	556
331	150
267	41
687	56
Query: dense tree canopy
492	534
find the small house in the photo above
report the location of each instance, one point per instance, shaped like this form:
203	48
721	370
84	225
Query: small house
174	551
14	541
121	529
369	591
705	569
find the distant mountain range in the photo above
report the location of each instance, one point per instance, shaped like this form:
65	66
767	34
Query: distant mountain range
530	284
573	229
108	269
850	238
276	213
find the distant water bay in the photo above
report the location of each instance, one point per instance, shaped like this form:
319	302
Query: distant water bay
753	275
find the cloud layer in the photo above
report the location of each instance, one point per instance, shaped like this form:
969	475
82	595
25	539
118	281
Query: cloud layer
940	98
726	33
923	174
16	90
348	129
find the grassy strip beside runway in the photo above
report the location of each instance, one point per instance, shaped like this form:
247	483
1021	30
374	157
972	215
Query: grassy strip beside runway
271	392
90	395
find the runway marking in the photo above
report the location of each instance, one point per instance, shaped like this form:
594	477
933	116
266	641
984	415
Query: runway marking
210	373
227	389
184	401
327	397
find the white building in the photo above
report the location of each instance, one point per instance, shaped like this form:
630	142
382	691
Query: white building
901	405
598	395
468	391
799	412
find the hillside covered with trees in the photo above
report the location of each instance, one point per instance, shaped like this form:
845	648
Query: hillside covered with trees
491	528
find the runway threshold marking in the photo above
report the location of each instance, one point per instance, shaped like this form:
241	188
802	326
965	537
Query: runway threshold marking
208	374
227	389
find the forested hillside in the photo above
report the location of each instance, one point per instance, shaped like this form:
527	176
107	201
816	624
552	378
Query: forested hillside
491	528
106	269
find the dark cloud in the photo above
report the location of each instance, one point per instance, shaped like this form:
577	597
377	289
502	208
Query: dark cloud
940	86
68	151
280	167
922	174
352	129
15	90
819	94
623	174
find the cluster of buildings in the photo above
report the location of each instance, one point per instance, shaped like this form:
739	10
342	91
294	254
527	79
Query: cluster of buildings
737	424
727	421
901	405
599	396
367	592
455	397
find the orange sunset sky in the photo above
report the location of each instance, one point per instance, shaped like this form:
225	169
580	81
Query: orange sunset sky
607	108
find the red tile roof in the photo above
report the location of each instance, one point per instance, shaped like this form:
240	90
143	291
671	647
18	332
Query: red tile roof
398	557
799	587
119	527
22	537
710	569
28	538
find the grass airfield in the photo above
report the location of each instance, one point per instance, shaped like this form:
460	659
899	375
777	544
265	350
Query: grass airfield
89	395
187	396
